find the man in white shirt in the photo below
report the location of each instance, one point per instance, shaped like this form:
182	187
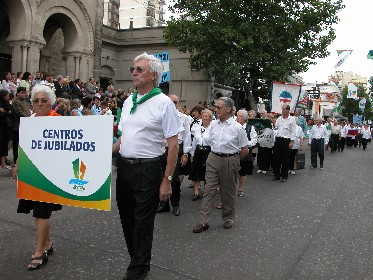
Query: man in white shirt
148	121
228	141
285	136
185	145
318	141
334	136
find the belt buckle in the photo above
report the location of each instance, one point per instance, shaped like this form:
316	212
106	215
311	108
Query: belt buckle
131	161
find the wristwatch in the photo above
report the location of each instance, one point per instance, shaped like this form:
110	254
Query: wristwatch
169	178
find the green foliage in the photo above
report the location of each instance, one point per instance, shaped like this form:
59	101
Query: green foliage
351	106
249	44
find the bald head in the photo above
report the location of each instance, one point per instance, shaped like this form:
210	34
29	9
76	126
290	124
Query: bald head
174	99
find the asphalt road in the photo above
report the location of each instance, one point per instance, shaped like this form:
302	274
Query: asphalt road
318	225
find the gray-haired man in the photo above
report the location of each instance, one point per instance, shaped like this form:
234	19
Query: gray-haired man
228	141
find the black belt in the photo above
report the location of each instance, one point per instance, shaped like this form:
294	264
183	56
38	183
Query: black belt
224	155
139	160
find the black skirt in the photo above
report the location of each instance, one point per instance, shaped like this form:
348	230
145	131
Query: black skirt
198	169
42	210
247	167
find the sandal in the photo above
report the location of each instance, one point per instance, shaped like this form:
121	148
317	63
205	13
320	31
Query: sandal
219	206
36	265
240	193
6	167
51	249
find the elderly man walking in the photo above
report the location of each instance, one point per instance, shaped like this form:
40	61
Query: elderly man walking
229	144
148	121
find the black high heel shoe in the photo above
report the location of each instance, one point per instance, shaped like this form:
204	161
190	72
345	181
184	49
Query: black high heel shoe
36	265
51	249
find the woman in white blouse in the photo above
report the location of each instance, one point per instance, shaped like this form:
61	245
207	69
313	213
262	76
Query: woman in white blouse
366	135
200	151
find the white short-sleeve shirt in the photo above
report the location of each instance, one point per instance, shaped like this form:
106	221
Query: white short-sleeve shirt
145	131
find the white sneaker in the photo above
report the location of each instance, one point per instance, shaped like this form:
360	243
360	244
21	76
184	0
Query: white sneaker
264	172
259	171
292	172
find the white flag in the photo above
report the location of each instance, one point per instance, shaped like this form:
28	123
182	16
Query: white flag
352	91
342	56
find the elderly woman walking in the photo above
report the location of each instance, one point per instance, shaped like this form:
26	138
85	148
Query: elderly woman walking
42	98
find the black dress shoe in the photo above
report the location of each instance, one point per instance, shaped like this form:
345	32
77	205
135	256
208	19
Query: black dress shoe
163	207
176	211
275	178
195	197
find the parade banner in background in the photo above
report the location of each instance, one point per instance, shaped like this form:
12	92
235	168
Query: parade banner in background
362	104
352	91
163	56
66	160
263	128
342	56
284	94
358	119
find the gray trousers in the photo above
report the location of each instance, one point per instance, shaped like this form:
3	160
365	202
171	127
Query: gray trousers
223	170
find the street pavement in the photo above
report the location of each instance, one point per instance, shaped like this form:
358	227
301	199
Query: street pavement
317	225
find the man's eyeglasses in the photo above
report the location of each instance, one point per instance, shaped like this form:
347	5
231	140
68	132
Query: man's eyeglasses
40	100
138	69
175	102
218	107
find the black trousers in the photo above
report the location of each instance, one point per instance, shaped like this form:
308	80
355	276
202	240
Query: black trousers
137	197
317	148
293	153
334	140
264	158
364	142
15	142
281	157
341	144
175	183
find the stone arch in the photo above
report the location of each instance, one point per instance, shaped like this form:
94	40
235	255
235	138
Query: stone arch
107	72
76	16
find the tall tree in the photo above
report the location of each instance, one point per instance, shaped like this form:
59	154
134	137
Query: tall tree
248	44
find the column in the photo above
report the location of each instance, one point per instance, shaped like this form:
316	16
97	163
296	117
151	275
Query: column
24	57
77	66
33	57
16	57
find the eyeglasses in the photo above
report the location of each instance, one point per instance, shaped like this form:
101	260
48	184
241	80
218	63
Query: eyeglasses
138	69
218	107
175	102
40	100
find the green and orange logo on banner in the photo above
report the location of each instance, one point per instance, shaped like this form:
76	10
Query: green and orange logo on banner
66	160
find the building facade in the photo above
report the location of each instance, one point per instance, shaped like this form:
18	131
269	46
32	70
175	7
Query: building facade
69	38
141	13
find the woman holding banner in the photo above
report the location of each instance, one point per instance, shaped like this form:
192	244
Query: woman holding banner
42	98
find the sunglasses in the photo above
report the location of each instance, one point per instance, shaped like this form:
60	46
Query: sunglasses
138	69
40	100
218	107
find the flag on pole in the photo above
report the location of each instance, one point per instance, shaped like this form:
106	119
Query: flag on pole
370	54
352	91
342	56
362	103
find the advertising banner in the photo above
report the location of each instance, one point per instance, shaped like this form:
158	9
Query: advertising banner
66	160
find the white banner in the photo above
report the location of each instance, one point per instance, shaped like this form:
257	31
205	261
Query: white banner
342	56
284	94
352	91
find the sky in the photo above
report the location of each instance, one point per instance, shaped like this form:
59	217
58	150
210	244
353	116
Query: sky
352	33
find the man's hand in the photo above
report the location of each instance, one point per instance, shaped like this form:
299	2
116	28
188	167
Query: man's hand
184	160
165	190
290	145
